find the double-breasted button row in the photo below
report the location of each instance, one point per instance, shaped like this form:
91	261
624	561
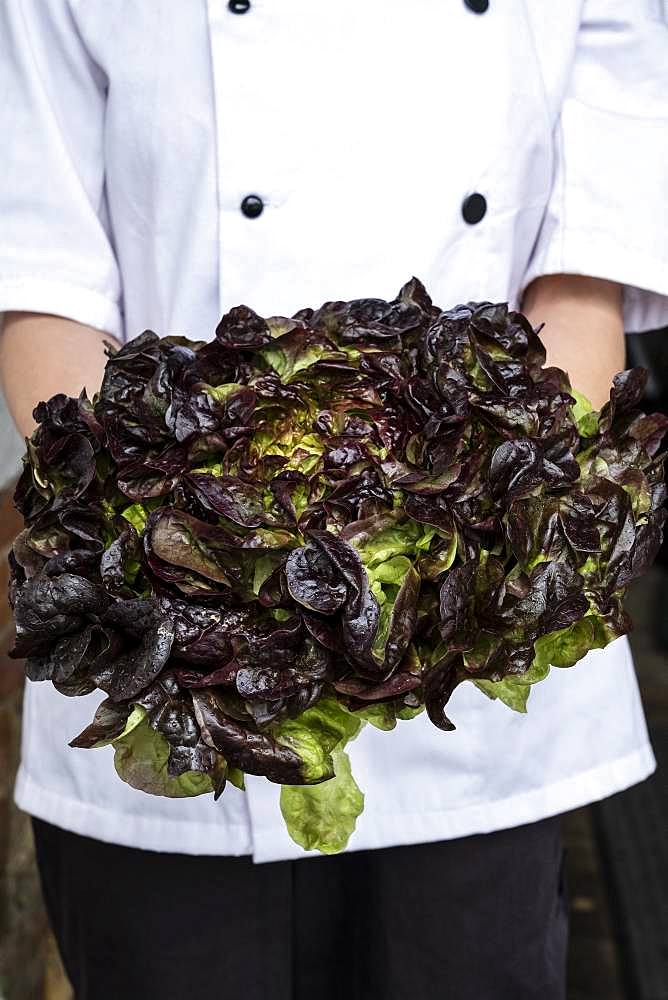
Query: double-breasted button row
243	6
474	207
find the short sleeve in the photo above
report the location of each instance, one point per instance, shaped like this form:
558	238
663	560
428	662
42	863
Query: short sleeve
607	216
56	254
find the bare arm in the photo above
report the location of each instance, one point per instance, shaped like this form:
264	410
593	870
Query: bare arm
41	355
584	330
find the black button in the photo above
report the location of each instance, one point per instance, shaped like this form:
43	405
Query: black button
252	206
477	6
474	208
239	6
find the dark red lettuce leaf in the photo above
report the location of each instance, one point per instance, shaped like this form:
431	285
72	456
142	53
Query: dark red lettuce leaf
125	673
49	607
244	747
108	723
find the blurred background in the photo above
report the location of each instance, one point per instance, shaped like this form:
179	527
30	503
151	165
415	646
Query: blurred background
617	850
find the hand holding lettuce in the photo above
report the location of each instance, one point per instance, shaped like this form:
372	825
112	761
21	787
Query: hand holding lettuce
256	545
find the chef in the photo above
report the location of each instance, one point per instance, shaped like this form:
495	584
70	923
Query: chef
165	160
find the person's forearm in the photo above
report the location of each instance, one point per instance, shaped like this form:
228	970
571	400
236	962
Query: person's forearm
41	355
584	329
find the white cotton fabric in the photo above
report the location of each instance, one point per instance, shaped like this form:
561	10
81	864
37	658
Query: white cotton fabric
131	133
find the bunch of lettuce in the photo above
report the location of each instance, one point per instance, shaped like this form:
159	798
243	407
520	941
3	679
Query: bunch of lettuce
256	544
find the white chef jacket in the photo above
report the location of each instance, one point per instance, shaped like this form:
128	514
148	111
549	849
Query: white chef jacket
131	134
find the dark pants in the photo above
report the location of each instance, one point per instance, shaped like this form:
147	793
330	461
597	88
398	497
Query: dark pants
479	918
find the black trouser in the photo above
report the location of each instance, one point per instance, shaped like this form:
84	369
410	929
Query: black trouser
479	918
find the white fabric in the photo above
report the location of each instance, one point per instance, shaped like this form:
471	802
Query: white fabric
131	133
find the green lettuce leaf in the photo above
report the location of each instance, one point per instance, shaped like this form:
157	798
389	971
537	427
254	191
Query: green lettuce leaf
382	715
563	648
567	646
407	712
221	393
584	415
236	778
136	514
398	540
315	734
514	691
323	817
141	757
288	362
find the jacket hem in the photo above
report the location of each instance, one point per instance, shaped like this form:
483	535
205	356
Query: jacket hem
113	826
402	829
270	843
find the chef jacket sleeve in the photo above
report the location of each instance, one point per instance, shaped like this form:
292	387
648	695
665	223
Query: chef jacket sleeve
55	250
607	215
